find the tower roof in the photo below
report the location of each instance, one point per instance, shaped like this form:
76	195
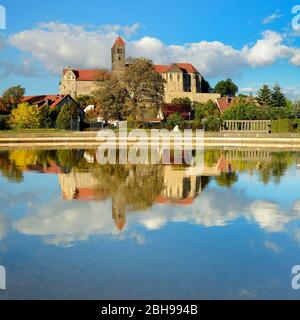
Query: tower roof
120	42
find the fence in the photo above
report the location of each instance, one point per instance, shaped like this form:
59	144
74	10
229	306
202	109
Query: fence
246	126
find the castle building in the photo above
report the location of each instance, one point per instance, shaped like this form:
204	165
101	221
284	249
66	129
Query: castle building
181	79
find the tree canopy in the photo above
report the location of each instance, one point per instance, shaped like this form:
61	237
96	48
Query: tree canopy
226	88
25	117
264	96
112	99
145	87
11	98
185	101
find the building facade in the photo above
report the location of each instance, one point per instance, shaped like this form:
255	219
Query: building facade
181	79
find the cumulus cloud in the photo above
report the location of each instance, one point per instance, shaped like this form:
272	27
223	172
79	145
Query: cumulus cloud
57	45
271	18
267	50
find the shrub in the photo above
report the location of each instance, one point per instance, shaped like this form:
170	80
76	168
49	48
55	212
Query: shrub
206	110
25	117
4	122
212	124
66	115
285	125
175	120
245	111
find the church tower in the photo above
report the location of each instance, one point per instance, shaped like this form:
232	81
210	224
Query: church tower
118	57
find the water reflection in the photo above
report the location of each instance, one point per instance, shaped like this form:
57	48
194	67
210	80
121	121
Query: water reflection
176	231
94	195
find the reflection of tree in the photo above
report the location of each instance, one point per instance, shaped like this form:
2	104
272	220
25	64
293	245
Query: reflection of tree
69	158
226	179
140	184
9	169
276	168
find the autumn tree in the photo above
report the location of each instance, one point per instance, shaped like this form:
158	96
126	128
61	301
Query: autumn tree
11	98
112	99
145	87
25	117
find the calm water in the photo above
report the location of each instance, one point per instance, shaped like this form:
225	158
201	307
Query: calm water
70	228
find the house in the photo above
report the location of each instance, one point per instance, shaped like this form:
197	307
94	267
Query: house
52	101
225	103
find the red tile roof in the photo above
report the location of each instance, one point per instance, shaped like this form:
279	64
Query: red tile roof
120	42
225	103
161	68
52	100
185	67
83	74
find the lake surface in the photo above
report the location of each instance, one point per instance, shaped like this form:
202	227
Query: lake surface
73	229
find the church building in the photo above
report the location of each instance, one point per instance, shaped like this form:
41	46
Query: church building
181	79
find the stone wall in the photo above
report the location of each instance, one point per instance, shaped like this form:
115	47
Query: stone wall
198	97
78	88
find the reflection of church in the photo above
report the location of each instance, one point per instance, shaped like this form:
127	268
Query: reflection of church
181	186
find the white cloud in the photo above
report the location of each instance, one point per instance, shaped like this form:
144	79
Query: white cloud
126	30
293	92
57	45
267	50
271	18
270	245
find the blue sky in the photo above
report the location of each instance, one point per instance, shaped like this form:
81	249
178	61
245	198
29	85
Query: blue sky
251	42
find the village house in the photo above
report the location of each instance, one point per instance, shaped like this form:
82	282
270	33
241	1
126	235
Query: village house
52	101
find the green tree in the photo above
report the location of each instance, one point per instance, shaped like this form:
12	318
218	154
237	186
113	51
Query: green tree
112	99
175	120
226	88
145	87
11	98
25	117
206	110
67	113
278	98
85	100
184	101
244	110
264	96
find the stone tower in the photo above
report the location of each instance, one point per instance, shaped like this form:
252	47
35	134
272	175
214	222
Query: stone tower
118	57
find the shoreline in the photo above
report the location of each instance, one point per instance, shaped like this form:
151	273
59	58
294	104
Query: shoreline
90	139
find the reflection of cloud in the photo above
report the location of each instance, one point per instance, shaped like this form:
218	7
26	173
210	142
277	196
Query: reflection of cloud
269	216
270	245
68	222
64	223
